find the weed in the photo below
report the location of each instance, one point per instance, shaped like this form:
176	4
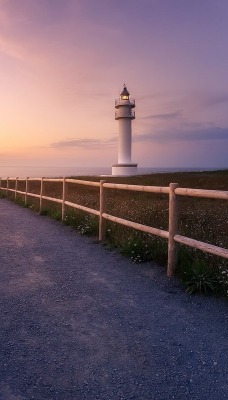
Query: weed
88	225
44	212
137	249
84	223
200	279
55	214
222	276
20	202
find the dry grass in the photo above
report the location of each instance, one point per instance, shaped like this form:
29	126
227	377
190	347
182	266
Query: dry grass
201	219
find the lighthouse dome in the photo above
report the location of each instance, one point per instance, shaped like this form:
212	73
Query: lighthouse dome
125	94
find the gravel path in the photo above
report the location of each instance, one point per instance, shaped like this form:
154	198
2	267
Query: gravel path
81	322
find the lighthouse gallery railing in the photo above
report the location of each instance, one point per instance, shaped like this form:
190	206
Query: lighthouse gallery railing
173	191
131	114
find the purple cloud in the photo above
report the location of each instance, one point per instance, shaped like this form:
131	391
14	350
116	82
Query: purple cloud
165	116
215	99
84	143
202	134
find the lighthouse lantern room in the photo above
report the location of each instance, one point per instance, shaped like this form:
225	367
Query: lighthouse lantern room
124	114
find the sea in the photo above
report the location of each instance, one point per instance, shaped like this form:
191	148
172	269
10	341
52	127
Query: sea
56	171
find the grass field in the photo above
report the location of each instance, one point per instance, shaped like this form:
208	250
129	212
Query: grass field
202	219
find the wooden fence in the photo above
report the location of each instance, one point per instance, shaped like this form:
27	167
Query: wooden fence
173	190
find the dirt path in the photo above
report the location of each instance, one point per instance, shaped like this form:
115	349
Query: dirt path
81	322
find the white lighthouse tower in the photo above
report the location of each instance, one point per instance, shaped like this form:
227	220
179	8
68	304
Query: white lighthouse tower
124	114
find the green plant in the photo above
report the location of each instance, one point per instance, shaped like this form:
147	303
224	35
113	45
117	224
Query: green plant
55	214
20	201
137	249
88	225
84	223
44	212
200	279
222	276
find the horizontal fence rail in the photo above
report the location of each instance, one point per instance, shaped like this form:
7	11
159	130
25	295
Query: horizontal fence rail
173	190
208	194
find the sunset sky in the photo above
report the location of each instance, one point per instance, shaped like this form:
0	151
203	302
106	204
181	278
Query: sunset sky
63	63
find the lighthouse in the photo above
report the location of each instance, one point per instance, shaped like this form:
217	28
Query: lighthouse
124	114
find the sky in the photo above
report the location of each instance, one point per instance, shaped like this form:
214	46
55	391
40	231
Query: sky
64	62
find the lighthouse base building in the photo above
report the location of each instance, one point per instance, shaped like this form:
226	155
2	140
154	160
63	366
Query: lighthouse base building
124	169
124	114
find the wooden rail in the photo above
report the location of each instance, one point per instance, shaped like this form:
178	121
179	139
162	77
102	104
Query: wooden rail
173	191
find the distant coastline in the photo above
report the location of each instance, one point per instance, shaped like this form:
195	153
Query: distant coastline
33	172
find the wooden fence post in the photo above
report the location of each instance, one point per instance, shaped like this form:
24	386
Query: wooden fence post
7	186
41	193
15	194
26	190
102	221
64	199
173	228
